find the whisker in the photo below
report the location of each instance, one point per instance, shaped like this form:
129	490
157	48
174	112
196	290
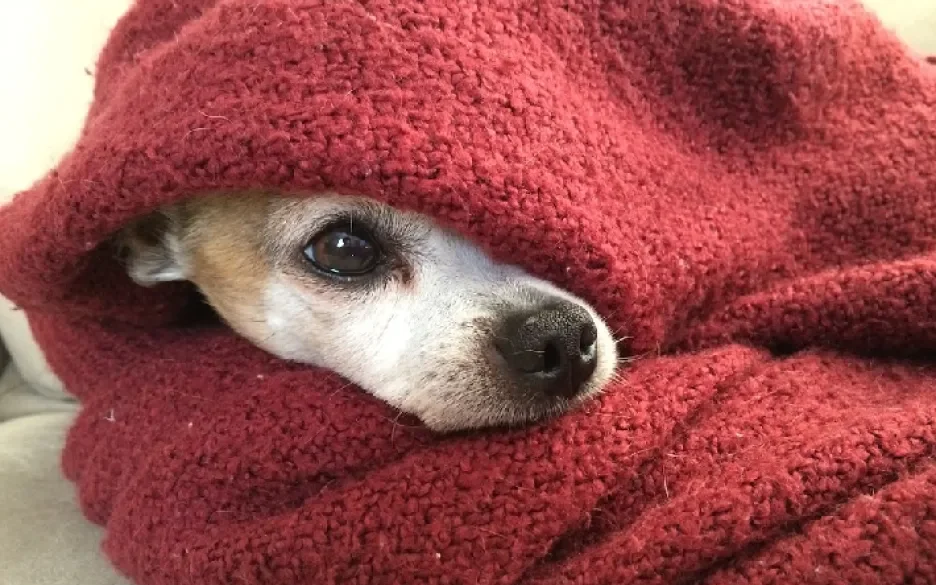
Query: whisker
395	421
270	336
533	351
341	388
629	359
618	330
387	322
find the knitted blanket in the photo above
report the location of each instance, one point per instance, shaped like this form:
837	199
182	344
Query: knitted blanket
744	189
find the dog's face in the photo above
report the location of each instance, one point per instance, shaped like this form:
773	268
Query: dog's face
414	314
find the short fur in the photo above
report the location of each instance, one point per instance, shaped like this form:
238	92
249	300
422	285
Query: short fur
419	338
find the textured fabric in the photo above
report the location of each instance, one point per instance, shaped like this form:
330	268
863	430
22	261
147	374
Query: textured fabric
746	191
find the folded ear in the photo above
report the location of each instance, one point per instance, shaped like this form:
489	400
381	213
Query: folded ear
151	249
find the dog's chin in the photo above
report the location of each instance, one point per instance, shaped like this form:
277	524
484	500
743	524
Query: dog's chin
499	413
490	420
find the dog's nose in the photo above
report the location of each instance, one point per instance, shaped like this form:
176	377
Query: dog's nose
553	348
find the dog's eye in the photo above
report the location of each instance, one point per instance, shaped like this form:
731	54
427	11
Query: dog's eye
343	251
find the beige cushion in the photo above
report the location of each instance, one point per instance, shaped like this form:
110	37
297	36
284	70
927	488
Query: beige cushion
44	539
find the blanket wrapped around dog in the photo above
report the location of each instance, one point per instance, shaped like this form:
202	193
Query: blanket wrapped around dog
744	189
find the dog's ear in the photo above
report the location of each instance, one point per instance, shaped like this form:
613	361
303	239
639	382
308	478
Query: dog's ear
151	249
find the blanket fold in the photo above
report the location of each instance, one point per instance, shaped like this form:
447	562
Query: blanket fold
744	189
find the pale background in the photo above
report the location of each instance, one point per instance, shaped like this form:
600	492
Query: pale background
46	46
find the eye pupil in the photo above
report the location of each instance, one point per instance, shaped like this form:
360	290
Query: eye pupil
341	251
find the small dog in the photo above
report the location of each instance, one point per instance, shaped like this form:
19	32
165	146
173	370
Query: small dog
413	313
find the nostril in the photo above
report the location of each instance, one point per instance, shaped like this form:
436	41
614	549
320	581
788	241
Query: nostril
589	337
527	361
552	358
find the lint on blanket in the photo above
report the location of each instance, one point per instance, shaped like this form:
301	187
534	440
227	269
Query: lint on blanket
746	189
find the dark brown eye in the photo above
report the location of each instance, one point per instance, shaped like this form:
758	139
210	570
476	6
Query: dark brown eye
343	251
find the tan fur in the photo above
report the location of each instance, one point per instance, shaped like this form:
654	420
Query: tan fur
224	236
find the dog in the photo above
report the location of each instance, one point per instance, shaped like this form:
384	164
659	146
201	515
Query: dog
411	312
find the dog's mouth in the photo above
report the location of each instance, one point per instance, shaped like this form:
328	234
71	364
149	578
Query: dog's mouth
509	411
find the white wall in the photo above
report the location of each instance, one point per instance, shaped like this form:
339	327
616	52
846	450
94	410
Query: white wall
45	46
914	20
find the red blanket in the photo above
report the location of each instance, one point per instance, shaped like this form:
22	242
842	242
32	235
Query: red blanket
745	189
